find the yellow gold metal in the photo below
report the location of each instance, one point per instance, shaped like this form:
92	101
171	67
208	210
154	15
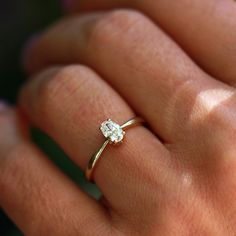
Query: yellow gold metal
132	122
94	159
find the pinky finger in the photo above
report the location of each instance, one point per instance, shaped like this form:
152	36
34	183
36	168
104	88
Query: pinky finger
35	194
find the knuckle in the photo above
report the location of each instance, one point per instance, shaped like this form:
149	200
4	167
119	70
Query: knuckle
59	87
224	130
115	24
211	116
219	147
55	85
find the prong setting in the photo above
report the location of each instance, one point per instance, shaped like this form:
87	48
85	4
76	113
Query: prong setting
112	131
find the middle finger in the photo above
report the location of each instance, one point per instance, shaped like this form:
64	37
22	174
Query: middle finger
146	66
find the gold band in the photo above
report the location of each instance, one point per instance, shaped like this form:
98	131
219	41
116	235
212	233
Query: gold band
94	159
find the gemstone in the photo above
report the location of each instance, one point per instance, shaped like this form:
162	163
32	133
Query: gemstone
112	131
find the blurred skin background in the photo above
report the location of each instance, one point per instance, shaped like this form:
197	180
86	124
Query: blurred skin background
19	21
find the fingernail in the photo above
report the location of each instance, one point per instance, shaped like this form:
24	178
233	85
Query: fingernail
68	4
3	105
30	44
28	48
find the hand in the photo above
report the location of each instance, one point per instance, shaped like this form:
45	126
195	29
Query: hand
176	177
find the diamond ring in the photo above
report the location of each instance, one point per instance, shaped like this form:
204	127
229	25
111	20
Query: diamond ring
114	134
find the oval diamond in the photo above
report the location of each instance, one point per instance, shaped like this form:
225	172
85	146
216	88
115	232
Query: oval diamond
112	131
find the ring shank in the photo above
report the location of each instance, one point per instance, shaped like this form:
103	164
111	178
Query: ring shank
132	122
95	158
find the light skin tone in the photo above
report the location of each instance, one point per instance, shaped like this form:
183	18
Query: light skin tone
173	64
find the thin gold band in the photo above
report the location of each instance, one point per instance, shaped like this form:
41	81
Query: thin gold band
94	159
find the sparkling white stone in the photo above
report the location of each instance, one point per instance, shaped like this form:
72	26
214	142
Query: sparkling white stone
112	131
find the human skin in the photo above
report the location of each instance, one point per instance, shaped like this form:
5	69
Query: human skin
173	64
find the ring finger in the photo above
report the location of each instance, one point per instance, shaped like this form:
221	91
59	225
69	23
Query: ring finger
69	104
